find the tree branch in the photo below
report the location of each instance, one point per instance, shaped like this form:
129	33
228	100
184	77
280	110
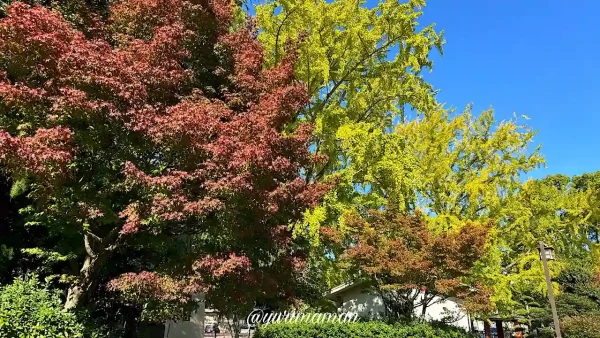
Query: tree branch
337	84
88	247
279	32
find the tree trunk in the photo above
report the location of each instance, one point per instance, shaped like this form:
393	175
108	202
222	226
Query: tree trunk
79	292
234	325
423	311
424	302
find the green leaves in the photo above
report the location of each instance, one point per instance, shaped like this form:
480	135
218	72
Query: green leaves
362	67
29	309
360	330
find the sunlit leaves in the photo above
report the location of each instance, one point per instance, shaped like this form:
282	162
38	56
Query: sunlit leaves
164	128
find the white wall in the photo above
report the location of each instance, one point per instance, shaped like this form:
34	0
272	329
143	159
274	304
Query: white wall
188	329
355	301
359	302
365	304
448	308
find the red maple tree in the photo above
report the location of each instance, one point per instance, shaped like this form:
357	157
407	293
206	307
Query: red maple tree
158	122
410	265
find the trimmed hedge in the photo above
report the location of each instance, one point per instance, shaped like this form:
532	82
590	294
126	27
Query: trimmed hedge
360	330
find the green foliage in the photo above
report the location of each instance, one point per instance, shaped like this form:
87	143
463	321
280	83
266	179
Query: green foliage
456	166
360	330
13	236
545	332
578	297
590	183
555	209
549	209
6	255
580	294
587	326
29	309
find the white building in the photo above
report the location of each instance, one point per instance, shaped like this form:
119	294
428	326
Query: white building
353	298
190	328
357	299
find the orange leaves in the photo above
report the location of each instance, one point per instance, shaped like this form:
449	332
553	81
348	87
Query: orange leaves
402	252
147	284
457	251
219	266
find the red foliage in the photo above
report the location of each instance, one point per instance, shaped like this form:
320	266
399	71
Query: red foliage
47	151
154	286
173	111
400	252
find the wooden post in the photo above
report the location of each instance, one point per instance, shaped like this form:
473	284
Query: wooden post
486	329
499	329
550	290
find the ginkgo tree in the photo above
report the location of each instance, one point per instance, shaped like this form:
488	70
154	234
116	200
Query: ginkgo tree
360	64
454	167
556	210
386	137
363	70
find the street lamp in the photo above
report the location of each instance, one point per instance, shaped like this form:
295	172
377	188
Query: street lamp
546	254
548	251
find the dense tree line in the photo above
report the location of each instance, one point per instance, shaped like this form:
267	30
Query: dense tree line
153	150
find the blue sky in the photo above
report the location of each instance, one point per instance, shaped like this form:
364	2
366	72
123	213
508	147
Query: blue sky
537	58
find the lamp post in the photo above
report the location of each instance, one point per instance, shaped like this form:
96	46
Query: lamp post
546	254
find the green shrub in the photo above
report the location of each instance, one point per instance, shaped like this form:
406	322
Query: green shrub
30	310
360	330
546	332
585	326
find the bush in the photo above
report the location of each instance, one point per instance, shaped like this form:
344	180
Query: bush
360	330
28	310
546	332
585	326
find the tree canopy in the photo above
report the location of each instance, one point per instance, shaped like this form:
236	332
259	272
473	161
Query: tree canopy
402	256
151	150
387	138
160	137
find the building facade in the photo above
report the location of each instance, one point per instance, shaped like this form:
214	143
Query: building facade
356	298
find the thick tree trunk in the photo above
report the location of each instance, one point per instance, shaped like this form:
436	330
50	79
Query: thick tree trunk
79	292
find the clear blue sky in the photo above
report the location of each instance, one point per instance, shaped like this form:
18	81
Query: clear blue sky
534	57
